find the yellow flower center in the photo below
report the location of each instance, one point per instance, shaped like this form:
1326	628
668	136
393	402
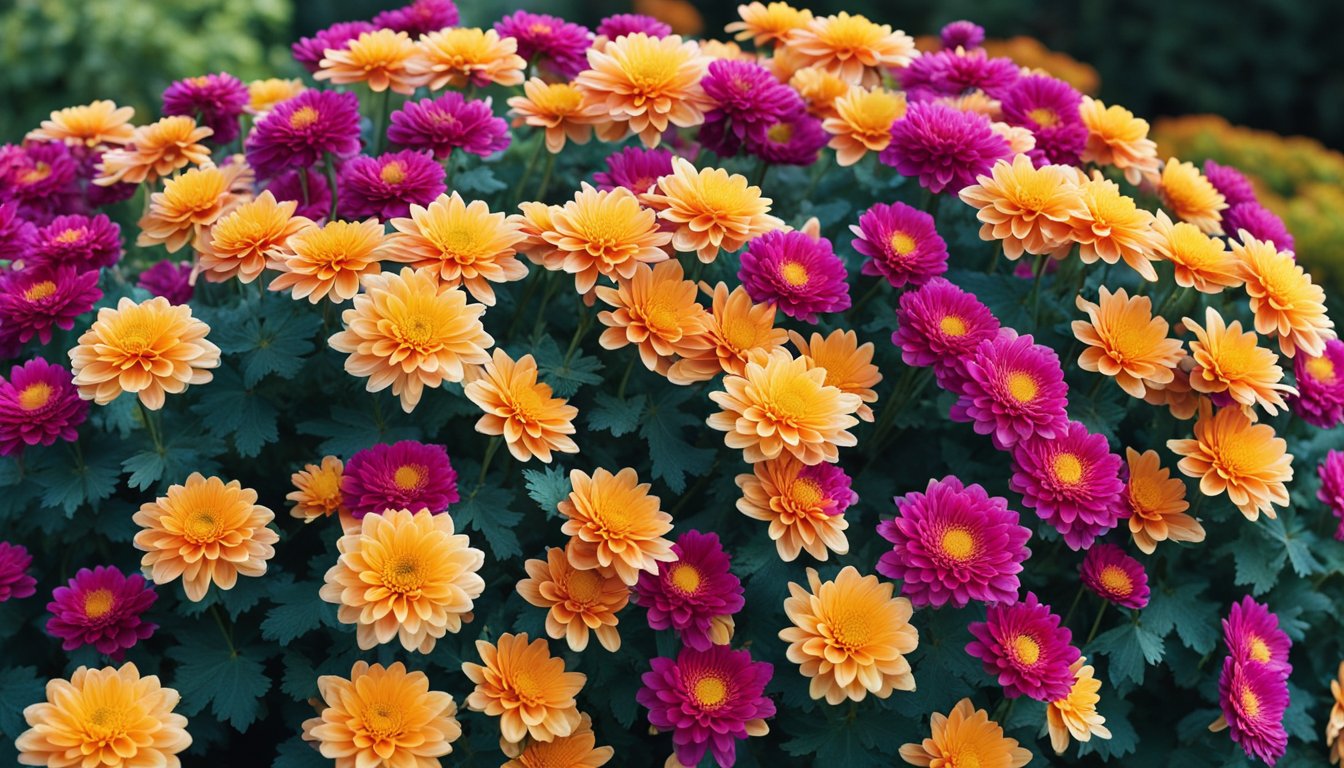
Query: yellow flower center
848	34
528	688
403	573
661	315
1022	387
1068	468
780	133
1250	703
790	401
739	332
1044	117
584	586
303	117
965	758
806	493
652	68
685	578
37	173
35	396
1321	369
1260	649
528	404
202	527
69	236
902	244
98	603
958	544
39	291
325	486
393	173
1116	581
382	720
853	626
559	99
794	274
1193	248
105	723
415	329
952	325
709	691
409	477
1146	498
1025	649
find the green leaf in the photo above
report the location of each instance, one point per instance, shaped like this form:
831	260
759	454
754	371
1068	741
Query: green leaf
487	510
349	431
229	409
617	416
564	377
69	484
232	684
1297	720
271	335
673	458
547	487
297	753
1195	620
1258	560
1124	739
1128	647
1297	543
298	610
146	468
477	181
19	687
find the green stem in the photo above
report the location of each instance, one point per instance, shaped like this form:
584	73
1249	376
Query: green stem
223	628
490	450
537	277
758	177
1096	624
1077	598
625	378
380	121
531	166
1041	263
303	186
152	426
546	178
857	309
585	320
330	167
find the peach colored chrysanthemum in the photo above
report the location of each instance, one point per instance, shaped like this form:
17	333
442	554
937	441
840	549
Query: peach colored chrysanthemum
155	150
819	89
462	56
558	108
851	47
1076	714
1229	360
206	532
848	364
150	349
99	123
862	122
1231	453
329	260
1020	140
1157	503
521	409
710	210
1126	342
576	601
408	331
965	736
643	85
795	507
654	310
1110	226
767	25
317	490
405	576
465	244
1192	197
263	95
1284	299
526	687
1178	396
598	233
615	524
577	750
187	206
1335	723
1201	261
382	59
1117	138
736	330
850	636
241	242
1027	208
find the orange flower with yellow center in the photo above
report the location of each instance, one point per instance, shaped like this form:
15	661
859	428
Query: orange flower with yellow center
558	108
383	59
850	636
577	750
1110	226
206	531
1201	261
382	717
852	48
736	330
642	85
1228	360
1076	714
101	122
614	524
405	576
795	507
597	233
1283	298
462	56
1231	453
654	310
155	150
408	331
1028	209
1157	503
104	717
848	364
1192	197
328	260
187	206
767	25
1117	138
466	244
1126	342
263	95
710	209
862	122
1335	724
576	601
965	737
819	89
526	687
317	490
780	404
516	406
241	242
150	349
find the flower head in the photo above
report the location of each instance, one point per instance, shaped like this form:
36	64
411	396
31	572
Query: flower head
420	17
710	210
329	260
215	101
577	750
155	150
621	24
447	123
1331	493
42	177
642	85
299	131
1115	576
103	608
944	147
949	74
1117	138
466	245
309	51
382	59
15	583
850	47
1110	226
1231	183
693	592
34	301
901	243
38	405
1049	107
17	233
95	124
317	490
1283	297
965	734
1191	197
1076	714
576	601
656	310
1259	222
1125	341
264	94
768	25
186	208
849	366
961	34
402	475
1023	645
85	242
600	233
794	139
796	272
1028	209
1231	453
1201	261
289	185
805	506
553	44
557	108
862	122
526	687
1254	700
521	409
747	99
1253	637
242	241
940	325
1072	480
389	185
615	524
1013	389
1157	505
1228	360
169	279
1320	385
735	330
635	168
463	56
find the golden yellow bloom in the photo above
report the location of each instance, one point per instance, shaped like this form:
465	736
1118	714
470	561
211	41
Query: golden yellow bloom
383	59
1110	226
1191	197
263	95
187	206
819	89
1076	714
767	25
796	508
408	331
735	331
466	245
150	349
654	310
642	85
1283	298
1230	453
242	241
104	717
317	490
577	750
101	122
1027	208
848	364
1117	138
206	531
404	575
1126	342
1228	360
862	122
965	736
710	209
1157	503
328	260
596	233
576	601
382	717
850	636
1201	261
526	687
462	56
851	47
155	150
516	406
614	524
1335	723
556	107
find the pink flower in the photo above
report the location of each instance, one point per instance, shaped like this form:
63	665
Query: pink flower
103	608
310	51
33	301
1254	699
1115	576
901	243
690	593
1230	183
1331	493
798	273
215	101
635	168
747	99
419	18
16	233
299	131
38	405
86	242
1259	222
169	279
1049	108
796	138
388	185
622	24
961	34
1251	632
1072	480
42	177
404	475
941	325
1320	386
950	74
1013	389
15	583
551	43
447	123
944	147
288	187
1024	647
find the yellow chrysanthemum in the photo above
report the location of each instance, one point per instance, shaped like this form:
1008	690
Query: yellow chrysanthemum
516	406
577	750
317	490
1283	298
819	89
329	260
1157	503
576	601
1231	453
1192	197
850	636
461	56
767	25
862	122
848	364
242	241
642	85
851	47
526	687
155	150
99	123
710	209
965	737
1126	342
1117	138
1335	723
405	576
1201	261
654	310
1229	360
1110	226
187	206
382	58
466	245
598	233
736	330
1027	208
796	508
263	95
206	531
615	524
1076	714
558	108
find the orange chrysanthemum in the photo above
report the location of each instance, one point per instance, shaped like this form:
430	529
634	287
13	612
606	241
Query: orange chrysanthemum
1228	360
1335	723
767	25
151	349
736	330
1117	138
577	750
206	531
710	209
850	636
408	331
382	717
1110	226
965	736
242	241
155	150
795	507
99	123
1283	298
1076	714
819	89
780	404
1201	261
462	56
1178	396
383	59
558	108
642	85
1126	342
654	310
862	122
526	687
263	95
848	364
109	717
1231	453
614	524
1192	197
851	47
466	244
405	576
1027	208
187	206
1157	503
317	490
328	260
596	233
516	406
576	601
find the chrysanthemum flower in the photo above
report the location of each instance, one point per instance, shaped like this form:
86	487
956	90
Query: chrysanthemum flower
862	122
382	717
642	85
655	310
954	543
1231	453
189	203
1076	714
614	524
961	34
1257	221
693	592
965	734
1331	493
1110	226
1201	261
215	101
950	75
447	123
1115	576
405	576
15	583
17	233
521	409
328	260
901	243
635	168
796	272
38	405
849	366
264	94
34	301
1027	209
576	601
1157	504
241	242
388	185
556	46
155	150
317	490
767	25
309	51
206	532
851	47
805	506
819	90
1335	723
382	58
735	330
1072	480
1012	389
556	108
947	149
308	187
795	139
1254	700
419	17
466	245
1126	342
602	233
151	349
850	636
104	717
710	210
621	24
1050	108
1228	360
1230	183
85	242
403	475
940	325
298	132
97	123
169	279
103	608
526	687
1252	634
1191	197
1024	647
577	750
747	99
409	331
1320	384
466	56
1283	297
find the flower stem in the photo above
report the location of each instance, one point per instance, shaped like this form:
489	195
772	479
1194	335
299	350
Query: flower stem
330	167
380	121
625	378
223	628
1041	262
546	178
531	166
490	450
151	426
1096	624
1077	598
857	309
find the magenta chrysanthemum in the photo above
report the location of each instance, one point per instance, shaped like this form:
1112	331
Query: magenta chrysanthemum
32	301
215	101
944	147
794	139
954	543
103	608
38	406
798	273
833	485
169	279
747	101
621	24
709	700
1254	700
901	243
635	168
447	123
403	475
388	185
419	18
1024	647
1320	386
1331	472
15	583
16	233
551	43
1259	222
288	186
1231	183
1115	576
941	325
310	51
42	177
690	593
1253	636
299	131
1072	480
962	34
949	74
1049	108
1013	389
85	242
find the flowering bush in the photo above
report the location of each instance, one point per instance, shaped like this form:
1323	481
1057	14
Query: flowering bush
429	432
